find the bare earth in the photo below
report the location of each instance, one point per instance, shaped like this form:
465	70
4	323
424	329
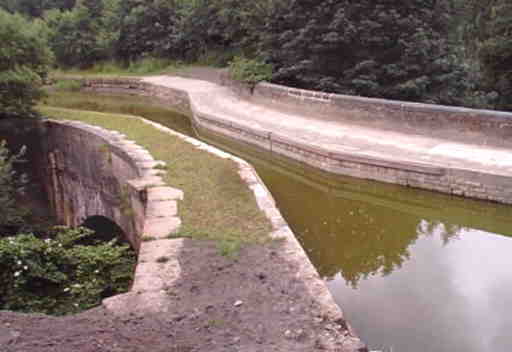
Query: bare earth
219	304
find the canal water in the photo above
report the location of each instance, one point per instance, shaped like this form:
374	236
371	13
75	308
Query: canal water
414	271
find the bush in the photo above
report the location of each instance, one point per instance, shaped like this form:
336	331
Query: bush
250	71
57	275
69	85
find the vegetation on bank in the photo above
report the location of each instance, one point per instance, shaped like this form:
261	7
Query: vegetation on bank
60	273
218	205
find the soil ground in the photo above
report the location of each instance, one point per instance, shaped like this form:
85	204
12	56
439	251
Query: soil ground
251	303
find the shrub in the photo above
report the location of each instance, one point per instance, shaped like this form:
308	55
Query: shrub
57	275
249	71
71	85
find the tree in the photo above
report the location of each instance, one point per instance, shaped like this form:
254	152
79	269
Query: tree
496	52
35	8
379	48
85	35
24	63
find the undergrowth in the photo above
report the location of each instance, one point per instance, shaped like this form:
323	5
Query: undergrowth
60	274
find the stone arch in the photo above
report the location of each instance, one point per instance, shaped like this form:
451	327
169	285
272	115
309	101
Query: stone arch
105	229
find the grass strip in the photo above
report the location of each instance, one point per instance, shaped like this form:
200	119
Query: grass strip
218	205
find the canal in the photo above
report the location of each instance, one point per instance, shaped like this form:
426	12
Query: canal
414	271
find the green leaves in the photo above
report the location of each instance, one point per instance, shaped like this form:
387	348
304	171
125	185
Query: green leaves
57	275
24	62
370	48
250	71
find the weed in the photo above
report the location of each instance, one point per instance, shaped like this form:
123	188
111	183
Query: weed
215	322
160	166
229	248
148	239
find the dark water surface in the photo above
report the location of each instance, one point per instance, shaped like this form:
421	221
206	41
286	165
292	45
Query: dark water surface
414	271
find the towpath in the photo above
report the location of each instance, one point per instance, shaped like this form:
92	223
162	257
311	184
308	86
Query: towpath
338	136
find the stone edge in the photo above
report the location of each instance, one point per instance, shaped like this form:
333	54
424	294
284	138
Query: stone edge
160	201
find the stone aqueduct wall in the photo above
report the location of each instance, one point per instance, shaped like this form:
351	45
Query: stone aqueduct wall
484	126
88	171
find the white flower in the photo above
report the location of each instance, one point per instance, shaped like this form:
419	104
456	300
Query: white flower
25	267
19	262
66	289
17	273
96	271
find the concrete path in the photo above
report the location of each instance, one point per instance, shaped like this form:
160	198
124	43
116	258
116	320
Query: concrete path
339	136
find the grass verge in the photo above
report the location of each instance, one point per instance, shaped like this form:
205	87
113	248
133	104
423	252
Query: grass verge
218	205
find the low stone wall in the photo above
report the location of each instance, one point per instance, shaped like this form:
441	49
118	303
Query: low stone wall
485	127
88	171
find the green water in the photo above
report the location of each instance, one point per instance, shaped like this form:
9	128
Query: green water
414	271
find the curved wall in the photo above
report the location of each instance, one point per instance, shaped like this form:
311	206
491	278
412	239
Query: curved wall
450	180
88	171
485	127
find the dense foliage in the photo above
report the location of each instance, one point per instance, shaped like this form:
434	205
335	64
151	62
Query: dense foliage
373	48
60	275
250	71
496	51
24	62
35	8
442	51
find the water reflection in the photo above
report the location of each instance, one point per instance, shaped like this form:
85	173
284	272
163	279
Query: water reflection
413	270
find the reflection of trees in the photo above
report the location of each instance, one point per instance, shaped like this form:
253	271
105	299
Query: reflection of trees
356	228
446	232
362	240
345	235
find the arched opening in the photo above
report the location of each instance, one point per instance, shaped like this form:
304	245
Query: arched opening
104	229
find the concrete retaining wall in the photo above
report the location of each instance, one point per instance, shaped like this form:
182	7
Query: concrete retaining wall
459	182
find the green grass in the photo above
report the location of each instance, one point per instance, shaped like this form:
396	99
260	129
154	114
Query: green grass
218	205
